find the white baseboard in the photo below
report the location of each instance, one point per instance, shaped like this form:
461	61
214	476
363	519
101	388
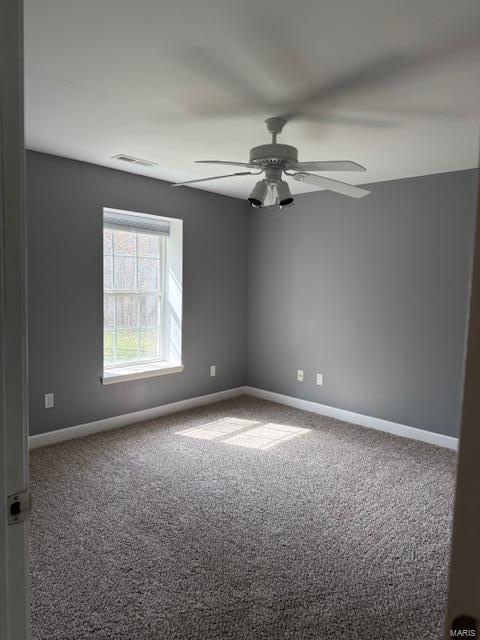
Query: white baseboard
81	430
78	431
356	418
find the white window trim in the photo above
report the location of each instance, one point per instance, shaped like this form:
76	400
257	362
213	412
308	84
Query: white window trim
122	372
139	371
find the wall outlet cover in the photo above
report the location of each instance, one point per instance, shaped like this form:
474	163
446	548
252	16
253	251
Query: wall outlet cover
300	375
213	370
319	379
49	401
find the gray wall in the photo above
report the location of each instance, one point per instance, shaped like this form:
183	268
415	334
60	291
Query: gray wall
64	208
372	293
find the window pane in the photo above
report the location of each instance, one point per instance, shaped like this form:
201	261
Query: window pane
124	273
149	311
147	274
149	344
107	242
108	312
108	272
148	246
133	277
108	347
126	312
126	346
124	243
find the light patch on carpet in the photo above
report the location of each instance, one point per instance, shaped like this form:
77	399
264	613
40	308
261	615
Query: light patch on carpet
248	433
218	429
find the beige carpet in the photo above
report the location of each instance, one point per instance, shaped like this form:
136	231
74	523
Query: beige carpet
246	520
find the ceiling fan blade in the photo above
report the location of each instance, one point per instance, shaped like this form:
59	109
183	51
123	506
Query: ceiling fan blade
361	78
345	120
337	165
277	52
227	162
221	72
379	73
228	175
332	185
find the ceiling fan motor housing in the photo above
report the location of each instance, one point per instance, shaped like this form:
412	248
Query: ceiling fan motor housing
273	154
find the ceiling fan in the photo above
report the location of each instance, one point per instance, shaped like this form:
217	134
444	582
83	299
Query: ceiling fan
274	160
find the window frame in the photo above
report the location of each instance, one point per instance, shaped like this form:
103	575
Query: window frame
170	230
160	294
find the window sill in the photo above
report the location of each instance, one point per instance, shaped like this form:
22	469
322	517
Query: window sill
139	371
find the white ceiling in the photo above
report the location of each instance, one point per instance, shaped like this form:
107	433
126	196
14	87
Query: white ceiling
180	80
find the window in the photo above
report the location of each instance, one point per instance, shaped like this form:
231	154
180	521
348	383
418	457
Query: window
134	272
142	295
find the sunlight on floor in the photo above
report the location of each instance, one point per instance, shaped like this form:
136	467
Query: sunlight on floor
218	429
245	433
266	436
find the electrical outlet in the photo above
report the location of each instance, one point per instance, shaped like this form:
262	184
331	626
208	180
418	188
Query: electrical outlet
213	370
300	375
49	401
319	379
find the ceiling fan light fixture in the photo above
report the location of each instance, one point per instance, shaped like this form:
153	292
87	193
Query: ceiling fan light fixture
285	198
259	194
274	160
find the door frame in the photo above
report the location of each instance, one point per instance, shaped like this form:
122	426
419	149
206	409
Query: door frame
464	578
14	587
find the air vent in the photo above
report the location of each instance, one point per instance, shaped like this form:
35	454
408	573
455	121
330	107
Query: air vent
145	163
131	160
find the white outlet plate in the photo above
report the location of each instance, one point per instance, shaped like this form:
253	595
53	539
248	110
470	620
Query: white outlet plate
213	370
319	379
300	375
49	400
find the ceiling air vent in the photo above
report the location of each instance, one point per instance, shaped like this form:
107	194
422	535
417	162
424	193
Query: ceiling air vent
131	160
